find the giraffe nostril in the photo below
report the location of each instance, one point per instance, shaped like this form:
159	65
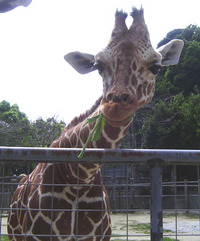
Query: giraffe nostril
126	98
123	98
109	97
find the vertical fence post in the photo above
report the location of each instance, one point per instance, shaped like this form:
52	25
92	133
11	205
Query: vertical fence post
156	200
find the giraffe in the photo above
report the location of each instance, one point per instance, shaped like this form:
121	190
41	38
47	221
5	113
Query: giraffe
68	201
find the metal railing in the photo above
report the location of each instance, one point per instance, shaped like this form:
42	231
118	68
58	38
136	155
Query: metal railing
154	159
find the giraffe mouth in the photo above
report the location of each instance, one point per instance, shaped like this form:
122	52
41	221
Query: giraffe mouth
117	114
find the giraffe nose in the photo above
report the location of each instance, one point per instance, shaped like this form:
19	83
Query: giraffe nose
122	98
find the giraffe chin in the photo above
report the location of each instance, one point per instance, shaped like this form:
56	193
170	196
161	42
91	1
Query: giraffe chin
117	114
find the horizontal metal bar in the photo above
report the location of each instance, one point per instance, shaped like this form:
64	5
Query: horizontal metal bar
135	156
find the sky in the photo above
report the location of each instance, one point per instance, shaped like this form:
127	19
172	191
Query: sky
34	40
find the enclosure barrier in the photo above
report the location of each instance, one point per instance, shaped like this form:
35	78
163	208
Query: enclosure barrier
156	160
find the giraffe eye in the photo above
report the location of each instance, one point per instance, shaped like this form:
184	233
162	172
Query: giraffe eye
99	66
154	69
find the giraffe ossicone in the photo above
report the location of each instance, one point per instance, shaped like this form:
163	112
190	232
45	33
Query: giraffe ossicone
67	201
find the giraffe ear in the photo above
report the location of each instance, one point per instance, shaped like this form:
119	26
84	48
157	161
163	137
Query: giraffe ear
171	52
81	62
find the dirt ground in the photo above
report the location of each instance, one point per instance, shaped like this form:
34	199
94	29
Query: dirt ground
188	227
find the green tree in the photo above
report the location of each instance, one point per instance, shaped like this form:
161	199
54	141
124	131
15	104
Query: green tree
45	132
173	125
184	76
17	130
14	126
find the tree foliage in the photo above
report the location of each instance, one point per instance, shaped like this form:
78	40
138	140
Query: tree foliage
15	127
45	131
186	74
173	125
17	130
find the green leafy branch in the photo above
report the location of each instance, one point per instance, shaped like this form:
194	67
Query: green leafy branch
96	132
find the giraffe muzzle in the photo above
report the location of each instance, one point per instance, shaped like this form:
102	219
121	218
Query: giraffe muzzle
118	108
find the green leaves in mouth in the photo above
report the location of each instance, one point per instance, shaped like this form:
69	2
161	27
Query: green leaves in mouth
96	132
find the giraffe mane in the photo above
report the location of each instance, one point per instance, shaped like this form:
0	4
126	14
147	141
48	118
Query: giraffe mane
83	116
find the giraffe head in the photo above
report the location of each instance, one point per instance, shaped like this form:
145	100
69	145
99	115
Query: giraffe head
128	66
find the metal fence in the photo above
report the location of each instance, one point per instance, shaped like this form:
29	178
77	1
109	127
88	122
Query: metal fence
150	199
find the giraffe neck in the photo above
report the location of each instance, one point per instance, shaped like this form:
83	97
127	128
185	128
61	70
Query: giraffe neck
76	134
